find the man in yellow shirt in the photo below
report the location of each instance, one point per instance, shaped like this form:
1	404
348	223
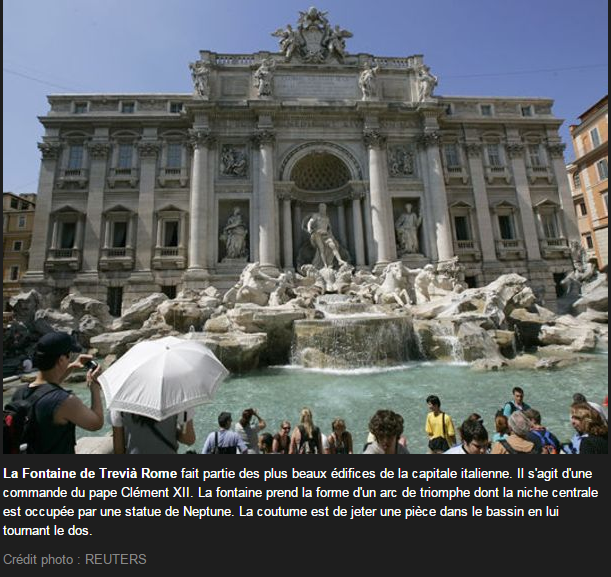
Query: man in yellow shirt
438	424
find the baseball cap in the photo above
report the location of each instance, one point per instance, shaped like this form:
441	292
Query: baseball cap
55	344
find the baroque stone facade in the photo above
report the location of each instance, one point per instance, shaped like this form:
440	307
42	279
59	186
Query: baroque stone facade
136	192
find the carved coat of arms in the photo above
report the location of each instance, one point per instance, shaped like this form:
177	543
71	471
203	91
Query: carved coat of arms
314	41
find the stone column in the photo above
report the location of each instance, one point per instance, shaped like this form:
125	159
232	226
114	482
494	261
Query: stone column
482	207
38	247
556	154
98	151
381	211
438	196
201	141
527	215
341	221
148	150
287	228
264	139
357	227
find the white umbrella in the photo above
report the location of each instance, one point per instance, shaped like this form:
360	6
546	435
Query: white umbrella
161	378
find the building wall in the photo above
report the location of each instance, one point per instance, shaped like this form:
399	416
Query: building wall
18	221
134	194
593	189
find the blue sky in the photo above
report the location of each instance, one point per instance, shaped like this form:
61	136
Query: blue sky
549	48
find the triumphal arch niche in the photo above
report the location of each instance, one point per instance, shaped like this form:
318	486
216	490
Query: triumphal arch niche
311	154
338	140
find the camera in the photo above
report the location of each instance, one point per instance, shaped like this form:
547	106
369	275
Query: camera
91	365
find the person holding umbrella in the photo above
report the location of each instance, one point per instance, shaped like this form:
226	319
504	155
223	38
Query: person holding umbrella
140	435
151	390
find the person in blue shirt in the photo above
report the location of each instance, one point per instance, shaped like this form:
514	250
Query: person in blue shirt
224	441
517	404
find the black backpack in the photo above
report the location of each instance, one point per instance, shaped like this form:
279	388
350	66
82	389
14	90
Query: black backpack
501	411
19	420
512	451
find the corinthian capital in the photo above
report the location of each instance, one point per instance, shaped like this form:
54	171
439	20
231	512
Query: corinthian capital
199	138
515	149
148	148
429	139
262	137
374	139
556	149
99	149
49	149
474	149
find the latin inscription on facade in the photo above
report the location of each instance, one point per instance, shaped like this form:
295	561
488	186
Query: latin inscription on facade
234	86
315	86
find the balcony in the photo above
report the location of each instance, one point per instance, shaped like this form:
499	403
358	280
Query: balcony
117	258
535	173
510	249
170	257
125	176
467	250
75	177
168	176
555	248
63	259
453	173
495	173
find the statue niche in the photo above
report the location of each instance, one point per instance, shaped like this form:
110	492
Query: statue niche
319	177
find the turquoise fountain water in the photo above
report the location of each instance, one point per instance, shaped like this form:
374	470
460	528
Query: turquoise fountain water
279	393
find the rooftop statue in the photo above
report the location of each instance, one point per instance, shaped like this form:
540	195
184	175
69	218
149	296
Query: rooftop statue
314	40
200	72
426	83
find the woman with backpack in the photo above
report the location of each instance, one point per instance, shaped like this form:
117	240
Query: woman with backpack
306	437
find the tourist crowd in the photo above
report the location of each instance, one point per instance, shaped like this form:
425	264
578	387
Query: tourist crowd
518	429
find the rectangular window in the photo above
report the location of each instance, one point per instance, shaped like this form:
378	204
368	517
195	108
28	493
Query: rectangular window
602	167
124	159
67	235
169	291
115	300
595	137
175	107
506	227
170	233
589	241
80	107
75	157
17	246
119	234
527	111
486	109
14	203
451	153
174	159
550	229
471	281
21	221
14	272
461	224
583	209
576	180
605	197
128	107
534	155
449	110
494	155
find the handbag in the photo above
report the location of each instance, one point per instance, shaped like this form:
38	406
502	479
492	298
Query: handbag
440	444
